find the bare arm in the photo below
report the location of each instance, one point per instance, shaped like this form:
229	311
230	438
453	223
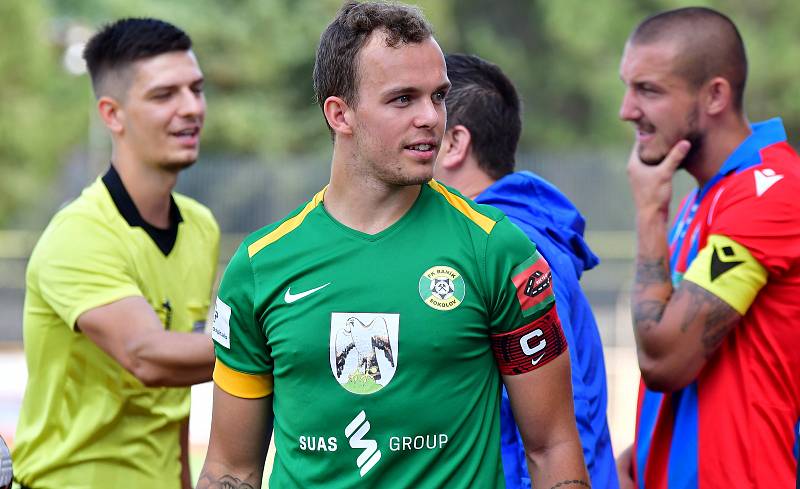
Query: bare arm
675	331
543	409
131	333
625	469
237	449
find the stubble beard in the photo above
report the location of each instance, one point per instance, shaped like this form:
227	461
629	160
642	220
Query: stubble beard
383	165
693	134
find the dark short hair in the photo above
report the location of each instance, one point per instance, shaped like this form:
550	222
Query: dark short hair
483	99
709	42
120	43
337	60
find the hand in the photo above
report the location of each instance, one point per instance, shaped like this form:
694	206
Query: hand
651	185
625	469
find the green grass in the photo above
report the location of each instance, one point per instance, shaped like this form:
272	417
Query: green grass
362	384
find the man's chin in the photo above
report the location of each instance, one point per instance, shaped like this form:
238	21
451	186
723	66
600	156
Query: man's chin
650	159
179	164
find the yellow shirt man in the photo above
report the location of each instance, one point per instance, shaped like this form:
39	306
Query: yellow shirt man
86	422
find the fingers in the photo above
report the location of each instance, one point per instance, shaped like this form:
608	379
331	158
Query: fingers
676	155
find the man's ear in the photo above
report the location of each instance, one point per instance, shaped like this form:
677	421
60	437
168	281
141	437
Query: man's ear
339	115
455	147
718	95
111	113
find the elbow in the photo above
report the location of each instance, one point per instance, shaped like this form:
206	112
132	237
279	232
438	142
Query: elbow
148	377
663	376
137	364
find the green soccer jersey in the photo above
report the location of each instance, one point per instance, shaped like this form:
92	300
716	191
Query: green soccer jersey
382	350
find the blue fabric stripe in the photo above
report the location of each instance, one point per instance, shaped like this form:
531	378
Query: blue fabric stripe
673	235
797	450
683	453
647	422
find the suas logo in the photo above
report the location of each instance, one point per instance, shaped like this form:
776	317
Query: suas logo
355	432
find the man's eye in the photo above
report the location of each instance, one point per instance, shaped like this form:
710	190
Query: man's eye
439	96
403	99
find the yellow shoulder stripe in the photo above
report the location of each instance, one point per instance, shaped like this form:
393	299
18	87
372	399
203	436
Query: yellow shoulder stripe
463	207
286	226
728	270
239	384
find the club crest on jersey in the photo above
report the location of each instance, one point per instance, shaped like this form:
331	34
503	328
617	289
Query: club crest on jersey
442	288
363	350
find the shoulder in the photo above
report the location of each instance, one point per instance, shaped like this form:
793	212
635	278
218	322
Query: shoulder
266	236
195	212
483	216
775	177
89	217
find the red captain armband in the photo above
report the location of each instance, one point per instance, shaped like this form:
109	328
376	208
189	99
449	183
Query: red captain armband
531	346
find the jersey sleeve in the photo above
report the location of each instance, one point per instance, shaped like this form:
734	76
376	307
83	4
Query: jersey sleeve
767	224
244	365
729	271
753	235
525	329
82	265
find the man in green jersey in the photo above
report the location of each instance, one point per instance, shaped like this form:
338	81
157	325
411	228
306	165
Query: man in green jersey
118	282
371	326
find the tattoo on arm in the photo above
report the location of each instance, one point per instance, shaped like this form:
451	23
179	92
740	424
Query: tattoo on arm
571	483
718	317
651	271
647	313
224	482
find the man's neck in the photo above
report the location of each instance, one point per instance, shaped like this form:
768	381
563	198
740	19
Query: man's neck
149	188
469	179
717	147
365	204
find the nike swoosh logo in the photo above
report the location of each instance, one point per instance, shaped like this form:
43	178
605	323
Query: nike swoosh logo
289	297
718	267
537	360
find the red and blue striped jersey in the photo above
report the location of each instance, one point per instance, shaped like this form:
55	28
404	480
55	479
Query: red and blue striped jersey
736	425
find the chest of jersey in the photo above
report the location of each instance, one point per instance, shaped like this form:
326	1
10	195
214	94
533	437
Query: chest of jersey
379	343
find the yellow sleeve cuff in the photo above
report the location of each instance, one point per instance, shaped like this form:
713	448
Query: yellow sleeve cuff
240	384
728	270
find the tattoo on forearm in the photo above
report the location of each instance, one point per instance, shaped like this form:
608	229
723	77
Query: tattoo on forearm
651	271
571	483
224	482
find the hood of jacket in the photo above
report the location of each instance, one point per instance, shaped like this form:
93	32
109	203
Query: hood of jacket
531	201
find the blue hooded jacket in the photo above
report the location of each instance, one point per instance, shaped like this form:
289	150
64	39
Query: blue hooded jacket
553	223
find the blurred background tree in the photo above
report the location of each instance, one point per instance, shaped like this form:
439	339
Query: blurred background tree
257	56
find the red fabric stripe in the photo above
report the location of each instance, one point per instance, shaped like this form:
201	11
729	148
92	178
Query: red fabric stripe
531	346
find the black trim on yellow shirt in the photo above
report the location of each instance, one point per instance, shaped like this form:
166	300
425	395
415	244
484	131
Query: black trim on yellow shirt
163	238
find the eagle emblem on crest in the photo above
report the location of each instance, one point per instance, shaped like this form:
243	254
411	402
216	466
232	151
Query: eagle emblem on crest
363	350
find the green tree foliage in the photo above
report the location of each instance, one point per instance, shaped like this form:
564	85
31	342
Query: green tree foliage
40	118
258	55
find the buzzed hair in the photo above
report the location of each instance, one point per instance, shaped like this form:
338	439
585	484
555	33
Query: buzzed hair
709	42
337	59
483	99
117	45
